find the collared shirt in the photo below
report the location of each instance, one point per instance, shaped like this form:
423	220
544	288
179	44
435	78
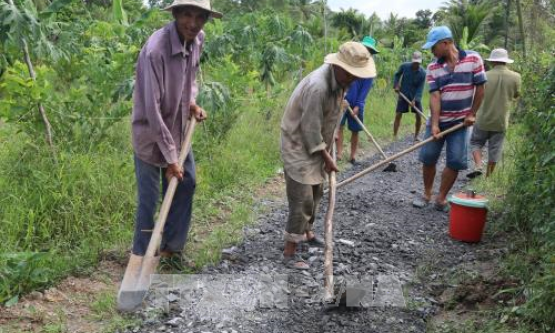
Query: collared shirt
308	125
456	86
502	89
412	81
164	90
358	90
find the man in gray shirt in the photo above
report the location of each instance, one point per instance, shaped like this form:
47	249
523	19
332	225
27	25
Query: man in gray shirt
163	102
307	132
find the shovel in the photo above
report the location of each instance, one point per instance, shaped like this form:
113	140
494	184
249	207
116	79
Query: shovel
391	167
335	292
412	105
136	280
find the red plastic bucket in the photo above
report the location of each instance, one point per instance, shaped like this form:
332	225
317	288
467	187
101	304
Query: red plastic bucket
467	216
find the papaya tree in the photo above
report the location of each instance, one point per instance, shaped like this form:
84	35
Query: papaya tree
20	24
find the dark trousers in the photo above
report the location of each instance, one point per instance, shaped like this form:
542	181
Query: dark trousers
179	218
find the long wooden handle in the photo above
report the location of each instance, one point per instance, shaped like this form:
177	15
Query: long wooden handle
413	105
328	238
166	204
366	131
396	156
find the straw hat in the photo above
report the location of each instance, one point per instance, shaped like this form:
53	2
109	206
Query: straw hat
202	4
500	55
355	59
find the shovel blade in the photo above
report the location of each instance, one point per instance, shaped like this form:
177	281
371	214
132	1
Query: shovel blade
348	296
136	282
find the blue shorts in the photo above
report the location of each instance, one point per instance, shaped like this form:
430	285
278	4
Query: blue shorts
403	106
456	151
352	123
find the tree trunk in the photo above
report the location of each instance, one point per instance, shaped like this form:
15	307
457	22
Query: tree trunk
324	5
521	27
34	78
507	17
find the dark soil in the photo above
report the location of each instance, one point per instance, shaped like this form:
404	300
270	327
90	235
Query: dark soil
403	257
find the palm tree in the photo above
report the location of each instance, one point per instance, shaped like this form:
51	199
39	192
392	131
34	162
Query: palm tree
305	9
350	20
464	13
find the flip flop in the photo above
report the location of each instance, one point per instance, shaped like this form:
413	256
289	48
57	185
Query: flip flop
294	262
316	242
420	203
474	174
441	207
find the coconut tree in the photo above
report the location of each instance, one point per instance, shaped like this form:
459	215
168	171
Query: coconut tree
465	13
350	20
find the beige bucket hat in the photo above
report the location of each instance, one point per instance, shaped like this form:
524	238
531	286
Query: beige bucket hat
202	4
355	59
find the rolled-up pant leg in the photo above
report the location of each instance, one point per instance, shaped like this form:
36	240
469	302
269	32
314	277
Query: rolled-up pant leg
178	221
303	205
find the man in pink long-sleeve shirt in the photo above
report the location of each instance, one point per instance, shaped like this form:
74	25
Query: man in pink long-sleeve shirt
164	101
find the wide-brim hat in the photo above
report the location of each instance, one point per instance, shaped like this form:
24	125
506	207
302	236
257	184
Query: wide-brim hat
500	55
202	4
355	59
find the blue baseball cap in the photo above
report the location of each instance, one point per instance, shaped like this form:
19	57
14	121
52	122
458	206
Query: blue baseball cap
437	34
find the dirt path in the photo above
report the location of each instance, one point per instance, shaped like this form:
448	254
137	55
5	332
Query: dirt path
402	256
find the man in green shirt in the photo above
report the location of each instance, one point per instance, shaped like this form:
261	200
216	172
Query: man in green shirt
502	88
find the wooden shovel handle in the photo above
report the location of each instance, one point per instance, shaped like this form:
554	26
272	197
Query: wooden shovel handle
328	238
412	105
396	156
166	203
366	131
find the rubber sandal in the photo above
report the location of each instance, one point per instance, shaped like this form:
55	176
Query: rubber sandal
420	203
316	242
441	207
294	262
353	161
474	174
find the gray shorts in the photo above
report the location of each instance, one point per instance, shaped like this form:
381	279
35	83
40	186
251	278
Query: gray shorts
494	139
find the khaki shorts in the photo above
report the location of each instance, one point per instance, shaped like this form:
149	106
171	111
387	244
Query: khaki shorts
303	205
494	140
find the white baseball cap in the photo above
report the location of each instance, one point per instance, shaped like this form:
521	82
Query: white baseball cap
417	57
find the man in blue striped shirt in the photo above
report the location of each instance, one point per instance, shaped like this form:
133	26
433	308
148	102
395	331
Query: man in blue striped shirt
456	79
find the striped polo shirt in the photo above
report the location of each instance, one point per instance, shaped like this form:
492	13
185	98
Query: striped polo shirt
457	86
